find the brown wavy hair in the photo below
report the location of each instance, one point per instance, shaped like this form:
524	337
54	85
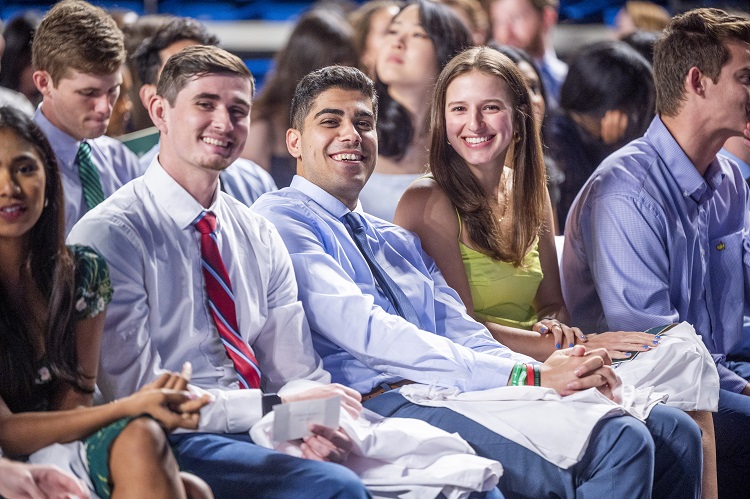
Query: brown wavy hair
478	213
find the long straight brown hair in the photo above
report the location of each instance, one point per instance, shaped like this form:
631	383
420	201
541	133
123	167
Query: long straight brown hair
453	175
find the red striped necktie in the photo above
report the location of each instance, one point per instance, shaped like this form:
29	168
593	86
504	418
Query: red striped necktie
221	303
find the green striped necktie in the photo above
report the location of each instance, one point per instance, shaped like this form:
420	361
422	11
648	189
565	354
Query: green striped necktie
92	187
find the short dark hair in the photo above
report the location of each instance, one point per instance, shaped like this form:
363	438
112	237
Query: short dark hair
610	75
18	33
76	35
317	82
696	38
147	57
197	61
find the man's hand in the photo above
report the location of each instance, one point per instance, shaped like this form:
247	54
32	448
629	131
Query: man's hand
326	444
574	369
746	390
18	480
350	399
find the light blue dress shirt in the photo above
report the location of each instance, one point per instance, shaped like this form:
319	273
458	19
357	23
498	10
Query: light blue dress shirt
116	165
244	180
361	338
649	241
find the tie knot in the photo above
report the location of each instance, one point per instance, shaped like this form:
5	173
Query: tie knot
84	150
207	223
354	222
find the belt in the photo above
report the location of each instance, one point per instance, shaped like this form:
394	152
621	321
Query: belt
385	387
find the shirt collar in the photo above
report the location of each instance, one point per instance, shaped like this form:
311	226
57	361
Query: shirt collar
65	146
691	183
328	202
744	167
174	200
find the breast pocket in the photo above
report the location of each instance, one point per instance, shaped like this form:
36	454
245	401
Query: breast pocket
726	272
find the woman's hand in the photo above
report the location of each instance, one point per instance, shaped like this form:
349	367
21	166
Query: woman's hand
167	400
622	344
565	336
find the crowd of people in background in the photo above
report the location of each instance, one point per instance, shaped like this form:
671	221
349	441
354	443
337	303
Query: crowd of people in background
421	203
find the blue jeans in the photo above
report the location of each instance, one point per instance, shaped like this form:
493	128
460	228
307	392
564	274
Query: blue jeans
233	466
624	458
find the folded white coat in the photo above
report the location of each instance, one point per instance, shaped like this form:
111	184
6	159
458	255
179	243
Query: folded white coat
401	457
680	367
679	372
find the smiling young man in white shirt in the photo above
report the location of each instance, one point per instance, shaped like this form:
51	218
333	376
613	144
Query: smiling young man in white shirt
161	314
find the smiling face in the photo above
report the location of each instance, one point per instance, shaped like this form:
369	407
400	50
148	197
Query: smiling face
337	146
729	97
207	127
81	103
407	54
22	183
479	119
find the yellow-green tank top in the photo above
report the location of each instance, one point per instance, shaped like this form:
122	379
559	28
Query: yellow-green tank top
502	293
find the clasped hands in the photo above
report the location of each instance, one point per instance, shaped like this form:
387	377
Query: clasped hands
167	400
576	369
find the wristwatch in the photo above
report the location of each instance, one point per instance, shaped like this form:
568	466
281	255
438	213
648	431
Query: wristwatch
269	400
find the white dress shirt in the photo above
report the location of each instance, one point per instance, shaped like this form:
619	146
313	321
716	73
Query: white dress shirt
244	180
159	318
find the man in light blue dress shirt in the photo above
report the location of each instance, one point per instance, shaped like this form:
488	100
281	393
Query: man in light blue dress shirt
78	51
661	232
366	344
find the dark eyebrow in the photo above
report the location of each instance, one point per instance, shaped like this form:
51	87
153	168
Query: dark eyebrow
366	114
206	95
215	97
328	110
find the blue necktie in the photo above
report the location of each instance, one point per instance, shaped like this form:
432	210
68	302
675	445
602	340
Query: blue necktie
391	290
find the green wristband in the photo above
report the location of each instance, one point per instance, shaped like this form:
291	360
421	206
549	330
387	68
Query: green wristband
516	374
537	375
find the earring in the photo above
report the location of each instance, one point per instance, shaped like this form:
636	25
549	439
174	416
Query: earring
516	137
46	202
449	143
